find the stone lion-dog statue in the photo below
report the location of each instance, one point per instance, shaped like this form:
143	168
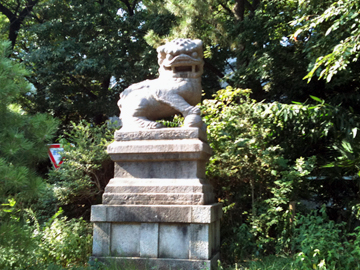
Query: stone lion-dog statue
177	90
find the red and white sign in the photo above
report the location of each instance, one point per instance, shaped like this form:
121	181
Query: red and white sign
54	152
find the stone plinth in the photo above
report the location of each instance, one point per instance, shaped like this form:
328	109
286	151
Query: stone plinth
160	166
159	210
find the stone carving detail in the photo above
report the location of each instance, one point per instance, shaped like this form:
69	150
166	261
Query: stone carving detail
177	90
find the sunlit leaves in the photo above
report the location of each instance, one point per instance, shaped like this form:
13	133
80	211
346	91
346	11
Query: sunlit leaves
23	137
84	54
338	25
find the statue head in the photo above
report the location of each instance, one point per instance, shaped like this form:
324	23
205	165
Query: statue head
181	58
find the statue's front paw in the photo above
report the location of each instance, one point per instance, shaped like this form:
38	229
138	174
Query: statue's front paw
192	110
193	120
149	124
155	125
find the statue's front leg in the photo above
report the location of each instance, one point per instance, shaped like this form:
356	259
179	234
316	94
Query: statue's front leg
179	104
190	113
133	110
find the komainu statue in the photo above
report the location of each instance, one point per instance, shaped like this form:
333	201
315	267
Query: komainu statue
177	90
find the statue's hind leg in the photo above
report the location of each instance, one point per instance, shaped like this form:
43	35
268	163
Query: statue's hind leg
179	104
133	122
133	111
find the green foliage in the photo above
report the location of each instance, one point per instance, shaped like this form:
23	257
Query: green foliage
23	137
263	156
325	244
85	53
16	245
24	244
335	28
251	174
65	242
86	168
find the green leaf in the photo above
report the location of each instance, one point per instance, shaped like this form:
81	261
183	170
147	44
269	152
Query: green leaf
317	99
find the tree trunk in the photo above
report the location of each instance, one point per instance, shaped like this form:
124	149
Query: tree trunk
17	19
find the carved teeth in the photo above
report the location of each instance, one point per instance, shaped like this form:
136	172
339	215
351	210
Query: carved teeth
182	59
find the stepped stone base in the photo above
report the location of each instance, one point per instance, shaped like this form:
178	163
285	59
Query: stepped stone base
183	237
160	263
161	166
158	210
158	191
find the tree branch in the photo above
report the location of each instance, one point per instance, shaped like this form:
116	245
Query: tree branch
134	4
16	21
213	69
239	9
27	10
127	4
226	8
240	5
249	6
7	12
17	7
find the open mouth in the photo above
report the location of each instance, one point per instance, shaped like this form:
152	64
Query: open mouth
178	69
183	63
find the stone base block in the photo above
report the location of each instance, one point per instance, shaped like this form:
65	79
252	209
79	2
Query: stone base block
156	213
158	185
161	134
183	237
142	191
158	198
159	263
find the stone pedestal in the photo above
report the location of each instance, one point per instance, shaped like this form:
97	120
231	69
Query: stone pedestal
158	211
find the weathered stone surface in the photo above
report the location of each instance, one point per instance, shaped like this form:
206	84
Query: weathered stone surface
158	185
156	213
204	212
177	90
156	159
160	240
157	198
125	239
216	234
174	241
158	146
161	134
161	263
141	157
143	185
149	240
101	239
200	246
159	211
160	169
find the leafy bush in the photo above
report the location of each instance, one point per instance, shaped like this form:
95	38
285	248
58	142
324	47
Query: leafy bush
252	173
325	244
65	242
23	137
86	169
263	156
16	238
24	244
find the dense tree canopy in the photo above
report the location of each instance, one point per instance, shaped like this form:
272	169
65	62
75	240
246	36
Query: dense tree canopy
23	137
83	54
267	46
270	54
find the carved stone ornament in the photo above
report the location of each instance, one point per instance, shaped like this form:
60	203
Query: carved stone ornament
177	90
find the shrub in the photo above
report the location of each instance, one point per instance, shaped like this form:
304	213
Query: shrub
252	173
86	169
323	244
24	244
